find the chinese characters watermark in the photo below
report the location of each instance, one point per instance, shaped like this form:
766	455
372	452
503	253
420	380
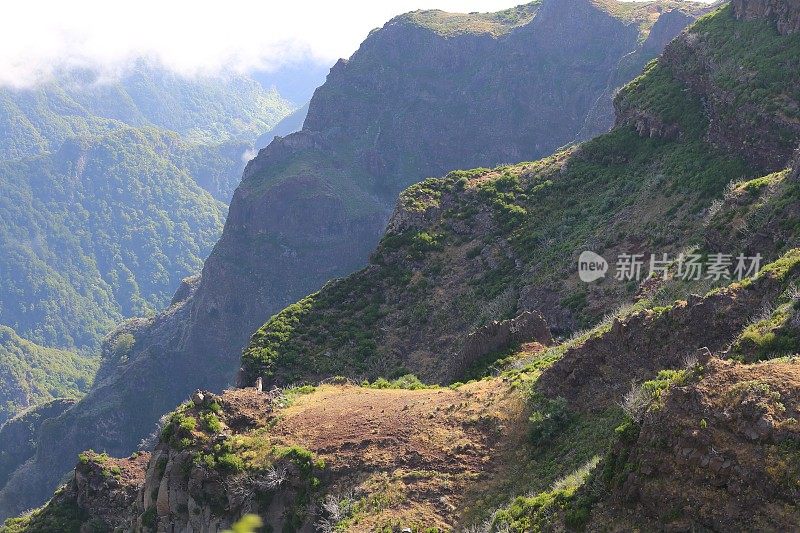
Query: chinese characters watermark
686	266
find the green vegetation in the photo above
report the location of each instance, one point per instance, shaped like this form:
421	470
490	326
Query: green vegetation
553	472
76	104
784	267
773	61
537	513
770	337
550	416
544	211
57	515
104	208
34	374
247	524
408	382
454	24
82	253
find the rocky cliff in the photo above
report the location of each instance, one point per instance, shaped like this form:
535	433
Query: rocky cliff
653	183
785	15
427	93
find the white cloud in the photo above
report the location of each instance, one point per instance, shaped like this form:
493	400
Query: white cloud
37	36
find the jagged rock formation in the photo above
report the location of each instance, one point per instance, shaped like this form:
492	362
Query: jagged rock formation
497	335
106	488
427	93
786	15
720	454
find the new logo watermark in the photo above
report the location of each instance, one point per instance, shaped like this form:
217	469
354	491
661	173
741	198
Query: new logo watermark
591	267
687	267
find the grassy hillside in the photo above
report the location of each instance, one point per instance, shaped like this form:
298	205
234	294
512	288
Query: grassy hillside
31	374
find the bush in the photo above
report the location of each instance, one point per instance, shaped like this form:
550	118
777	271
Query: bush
211	422
549	417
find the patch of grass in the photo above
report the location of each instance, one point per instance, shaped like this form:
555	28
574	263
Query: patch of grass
210	422
770	337
548	418
538	469
542	511
57	515
408	382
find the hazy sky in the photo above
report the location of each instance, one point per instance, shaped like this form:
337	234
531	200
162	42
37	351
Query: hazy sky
199	36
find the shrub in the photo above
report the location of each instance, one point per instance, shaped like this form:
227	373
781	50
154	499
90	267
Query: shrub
549	417
211	422
230	462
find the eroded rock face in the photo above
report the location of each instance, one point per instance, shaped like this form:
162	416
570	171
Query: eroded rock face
785	13
105	488
717	455
597	373
529	326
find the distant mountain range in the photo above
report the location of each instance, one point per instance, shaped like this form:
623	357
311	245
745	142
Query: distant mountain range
111	192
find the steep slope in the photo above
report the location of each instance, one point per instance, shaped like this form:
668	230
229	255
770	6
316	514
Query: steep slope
313	205
488	244
32	374
103	229
729	441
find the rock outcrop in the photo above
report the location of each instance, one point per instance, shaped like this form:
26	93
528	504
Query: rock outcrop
598	372
785	14
719	454
497	335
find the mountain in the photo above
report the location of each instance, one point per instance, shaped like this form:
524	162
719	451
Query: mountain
427	93
678	411
207	110
106	192
103	201
485	245
102	229
33	374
